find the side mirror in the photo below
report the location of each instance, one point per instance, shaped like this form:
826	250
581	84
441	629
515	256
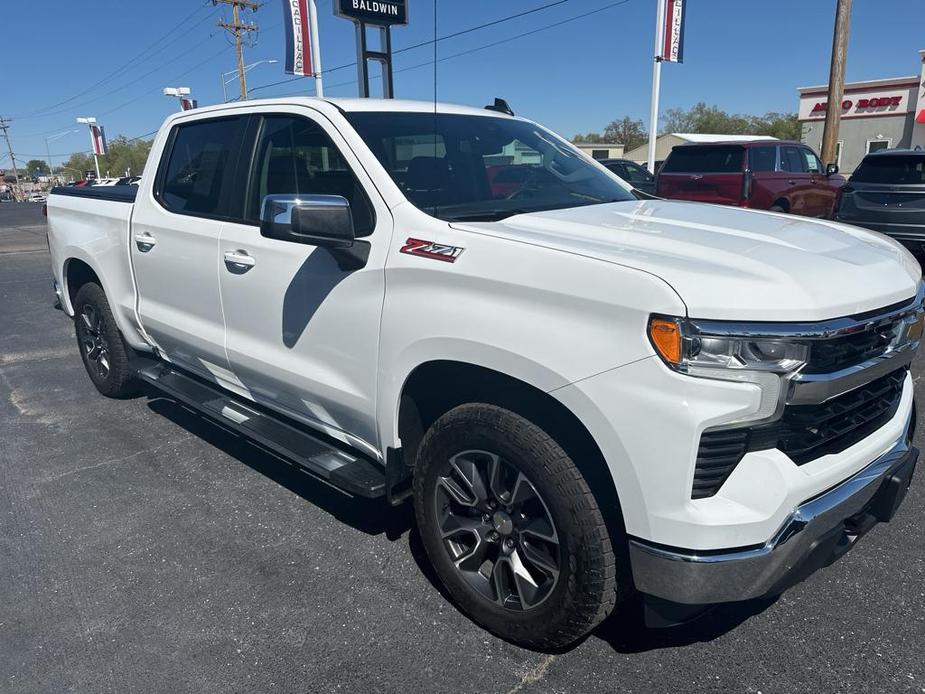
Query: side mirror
317	220
831	169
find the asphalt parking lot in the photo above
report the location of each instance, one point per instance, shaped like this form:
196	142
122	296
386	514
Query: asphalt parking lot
145	549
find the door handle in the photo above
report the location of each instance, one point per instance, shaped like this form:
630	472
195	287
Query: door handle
144	241
239	259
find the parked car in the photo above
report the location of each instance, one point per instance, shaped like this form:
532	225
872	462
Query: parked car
772	175
106	182
886	193
584	393
631	172
37	197
507	179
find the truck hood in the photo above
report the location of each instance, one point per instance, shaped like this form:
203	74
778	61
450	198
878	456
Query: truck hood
730	264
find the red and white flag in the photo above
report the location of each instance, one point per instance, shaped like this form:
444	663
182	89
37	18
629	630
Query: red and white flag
673	31
98	139
298	38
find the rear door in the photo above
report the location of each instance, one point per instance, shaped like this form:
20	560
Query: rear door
703	173
302	334
174	243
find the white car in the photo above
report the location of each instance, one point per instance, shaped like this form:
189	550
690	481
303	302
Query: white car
585	393
38	197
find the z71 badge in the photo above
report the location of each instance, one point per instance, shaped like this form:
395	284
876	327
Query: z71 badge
434	251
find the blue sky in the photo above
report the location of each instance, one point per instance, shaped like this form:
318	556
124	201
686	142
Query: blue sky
744	56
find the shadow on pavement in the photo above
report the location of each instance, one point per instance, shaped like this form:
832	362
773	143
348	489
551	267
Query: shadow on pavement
373	517
625	630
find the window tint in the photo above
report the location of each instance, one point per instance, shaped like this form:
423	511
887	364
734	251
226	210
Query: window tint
762	158
906	169
635	173
720	159
813	165
480	167
294	155
791	159
201	157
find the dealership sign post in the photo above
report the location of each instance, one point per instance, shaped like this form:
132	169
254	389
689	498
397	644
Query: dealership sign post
669	47
380	13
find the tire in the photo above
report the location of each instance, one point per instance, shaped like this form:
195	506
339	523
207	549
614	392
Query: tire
104	353
535	477
777	208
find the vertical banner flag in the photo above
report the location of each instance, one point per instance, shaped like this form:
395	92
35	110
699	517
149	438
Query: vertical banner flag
298	38
673	48
98	139
187	104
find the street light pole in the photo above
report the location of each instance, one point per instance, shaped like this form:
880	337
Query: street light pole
51	167
235	72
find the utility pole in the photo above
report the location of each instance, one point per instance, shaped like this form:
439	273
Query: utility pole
4	126
836	80
239	29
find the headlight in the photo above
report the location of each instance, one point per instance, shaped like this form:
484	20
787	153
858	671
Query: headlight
759	361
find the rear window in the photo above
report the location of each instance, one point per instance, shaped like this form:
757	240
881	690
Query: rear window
909	170
686	159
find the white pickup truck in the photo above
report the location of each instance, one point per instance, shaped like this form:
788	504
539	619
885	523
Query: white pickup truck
587	392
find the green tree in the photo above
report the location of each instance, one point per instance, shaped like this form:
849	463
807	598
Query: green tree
36	165
125	156
628	132
701	118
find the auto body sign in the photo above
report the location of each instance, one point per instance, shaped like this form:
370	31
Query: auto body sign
383	12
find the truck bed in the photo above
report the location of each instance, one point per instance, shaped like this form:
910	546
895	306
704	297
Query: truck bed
114	193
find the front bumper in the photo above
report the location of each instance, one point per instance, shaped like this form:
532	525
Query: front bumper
816	533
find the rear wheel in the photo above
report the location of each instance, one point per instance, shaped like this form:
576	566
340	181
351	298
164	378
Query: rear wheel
512	529
777	208
102	349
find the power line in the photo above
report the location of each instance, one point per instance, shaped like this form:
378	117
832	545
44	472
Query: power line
434	41
125	66
239	29
476	49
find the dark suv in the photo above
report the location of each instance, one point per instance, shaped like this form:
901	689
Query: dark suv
762	174
887	194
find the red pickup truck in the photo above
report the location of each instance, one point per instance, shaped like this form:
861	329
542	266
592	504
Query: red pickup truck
773	175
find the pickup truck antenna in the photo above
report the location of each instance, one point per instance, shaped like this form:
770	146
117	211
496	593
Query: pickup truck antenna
500	106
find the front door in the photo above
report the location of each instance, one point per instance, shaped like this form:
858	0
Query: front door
174	244
302	335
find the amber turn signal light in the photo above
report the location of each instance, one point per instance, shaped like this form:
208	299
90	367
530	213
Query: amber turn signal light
666	338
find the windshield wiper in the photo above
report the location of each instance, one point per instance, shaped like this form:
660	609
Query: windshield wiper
486	216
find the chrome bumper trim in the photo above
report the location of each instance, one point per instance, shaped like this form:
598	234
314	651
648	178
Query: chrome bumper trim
812	536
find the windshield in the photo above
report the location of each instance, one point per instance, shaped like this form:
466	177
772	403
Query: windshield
905	169
482	168
713	159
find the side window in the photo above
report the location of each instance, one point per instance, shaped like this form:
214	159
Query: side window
792	160
762	158
201	157
294	155
636	173
813	165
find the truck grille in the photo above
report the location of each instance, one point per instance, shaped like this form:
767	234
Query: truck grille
804	432
839	353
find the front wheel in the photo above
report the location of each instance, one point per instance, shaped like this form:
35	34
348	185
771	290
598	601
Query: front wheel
512	528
